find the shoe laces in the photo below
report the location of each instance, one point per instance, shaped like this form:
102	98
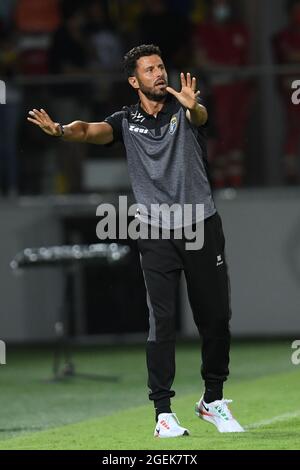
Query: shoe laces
223	410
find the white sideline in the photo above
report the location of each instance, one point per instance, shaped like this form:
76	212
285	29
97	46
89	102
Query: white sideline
276	419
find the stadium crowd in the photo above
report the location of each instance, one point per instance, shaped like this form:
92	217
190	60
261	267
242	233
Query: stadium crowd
66	56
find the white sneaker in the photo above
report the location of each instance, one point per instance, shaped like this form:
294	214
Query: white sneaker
218	414
168	426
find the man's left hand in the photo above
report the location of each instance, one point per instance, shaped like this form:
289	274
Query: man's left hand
188	94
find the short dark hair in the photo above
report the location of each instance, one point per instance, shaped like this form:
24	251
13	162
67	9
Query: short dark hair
130	59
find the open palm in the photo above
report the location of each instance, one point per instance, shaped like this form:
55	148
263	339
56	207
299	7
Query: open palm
188	94
44	122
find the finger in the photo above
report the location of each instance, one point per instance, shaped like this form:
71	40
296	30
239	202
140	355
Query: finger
34	121
172	91
188	80
197	94
45	114
37	112
194	84
35	115
40	116
182	78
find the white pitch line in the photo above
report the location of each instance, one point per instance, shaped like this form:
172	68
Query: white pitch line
276	419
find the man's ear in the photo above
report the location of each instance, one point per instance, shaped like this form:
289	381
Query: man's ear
133	82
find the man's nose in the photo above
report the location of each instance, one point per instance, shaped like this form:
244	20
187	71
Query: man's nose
159	75
159	72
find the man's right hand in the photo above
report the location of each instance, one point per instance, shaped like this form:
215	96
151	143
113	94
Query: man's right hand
100	133
42	120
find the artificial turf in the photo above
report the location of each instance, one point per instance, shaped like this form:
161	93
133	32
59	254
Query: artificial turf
83	413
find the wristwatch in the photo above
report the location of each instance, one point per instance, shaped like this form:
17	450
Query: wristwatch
62	130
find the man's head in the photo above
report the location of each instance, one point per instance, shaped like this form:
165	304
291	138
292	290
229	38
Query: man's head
146	71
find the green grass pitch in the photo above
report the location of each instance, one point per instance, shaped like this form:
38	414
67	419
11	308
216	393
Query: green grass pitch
89	414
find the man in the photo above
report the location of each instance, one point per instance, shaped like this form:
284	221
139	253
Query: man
163	136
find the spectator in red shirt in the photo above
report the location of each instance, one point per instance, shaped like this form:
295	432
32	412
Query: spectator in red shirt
287	51
222	42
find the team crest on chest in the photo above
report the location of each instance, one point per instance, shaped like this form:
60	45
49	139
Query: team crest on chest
173	125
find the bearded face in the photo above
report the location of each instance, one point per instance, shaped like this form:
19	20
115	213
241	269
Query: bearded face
151	78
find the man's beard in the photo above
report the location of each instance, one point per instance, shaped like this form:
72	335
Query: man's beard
154	95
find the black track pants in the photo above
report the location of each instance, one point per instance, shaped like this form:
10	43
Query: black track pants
207	279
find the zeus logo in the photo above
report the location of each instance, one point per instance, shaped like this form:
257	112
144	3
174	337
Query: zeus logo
2	92
296	94
296	354
139	130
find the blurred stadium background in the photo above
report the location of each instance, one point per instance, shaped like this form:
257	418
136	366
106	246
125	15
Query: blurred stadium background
65	56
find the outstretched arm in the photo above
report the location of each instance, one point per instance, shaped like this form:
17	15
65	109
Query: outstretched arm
196	113
77	131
